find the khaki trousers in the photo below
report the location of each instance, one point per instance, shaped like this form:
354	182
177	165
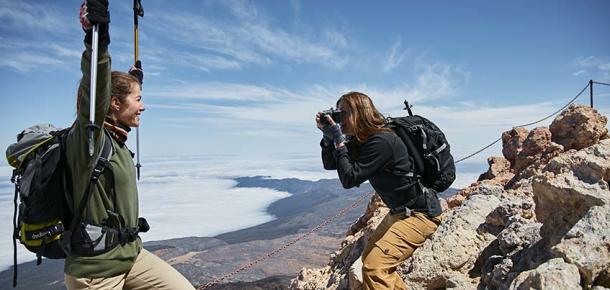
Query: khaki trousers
395	240
148	272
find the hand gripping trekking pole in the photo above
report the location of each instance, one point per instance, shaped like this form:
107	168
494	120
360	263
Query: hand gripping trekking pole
91	127
138	11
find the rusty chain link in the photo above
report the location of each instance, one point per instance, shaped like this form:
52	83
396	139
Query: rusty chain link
285	246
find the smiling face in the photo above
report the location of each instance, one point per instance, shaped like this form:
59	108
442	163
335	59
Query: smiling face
128	110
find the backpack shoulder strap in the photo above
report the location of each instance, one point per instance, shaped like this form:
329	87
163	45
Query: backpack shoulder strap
101	163
399	128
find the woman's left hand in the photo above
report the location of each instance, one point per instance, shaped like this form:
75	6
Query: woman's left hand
333	131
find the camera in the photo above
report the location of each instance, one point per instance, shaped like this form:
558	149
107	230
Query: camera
335	114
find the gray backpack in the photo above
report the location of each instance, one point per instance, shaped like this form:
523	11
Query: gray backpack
42	188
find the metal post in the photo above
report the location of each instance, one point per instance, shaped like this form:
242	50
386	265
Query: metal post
591	91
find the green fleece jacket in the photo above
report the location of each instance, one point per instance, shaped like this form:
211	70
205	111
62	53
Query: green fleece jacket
124	201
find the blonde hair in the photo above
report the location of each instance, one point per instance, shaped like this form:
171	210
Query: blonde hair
361	115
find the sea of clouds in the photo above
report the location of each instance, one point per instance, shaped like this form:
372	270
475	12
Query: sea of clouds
196	195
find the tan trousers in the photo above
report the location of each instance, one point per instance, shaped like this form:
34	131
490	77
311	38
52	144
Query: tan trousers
394	241
148	272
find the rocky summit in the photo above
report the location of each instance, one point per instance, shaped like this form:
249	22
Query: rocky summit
539	218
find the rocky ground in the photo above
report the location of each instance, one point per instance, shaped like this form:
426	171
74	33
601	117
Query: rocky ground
539	218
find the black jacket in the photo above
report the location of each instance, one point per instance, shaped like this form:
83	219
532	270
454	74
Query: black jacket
383	160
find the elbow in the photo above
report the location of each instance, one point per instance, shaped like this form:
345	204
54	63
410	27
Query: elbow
347	183
329	166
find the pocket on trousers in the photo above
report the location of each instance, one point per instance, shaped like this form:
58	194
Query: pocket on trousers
389	249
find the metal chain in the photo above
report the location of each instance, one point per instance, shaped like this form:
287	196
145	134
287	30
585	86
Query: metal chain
528	124
285	246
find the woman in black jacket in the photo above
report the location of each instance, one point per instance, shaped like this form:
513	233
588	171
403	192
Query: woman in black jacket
376	154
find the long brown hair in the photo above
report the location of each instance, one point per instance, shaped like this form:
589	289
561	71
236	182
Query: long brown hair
361	116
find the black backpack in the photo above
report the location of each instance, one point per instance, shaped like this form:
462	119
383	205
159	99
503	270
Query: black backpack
428	148
42	188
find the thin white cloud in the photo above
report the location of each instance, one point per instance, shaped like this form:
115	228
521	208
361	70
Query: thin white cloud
24	62
21	14
221	91
589	61
249	38
289	114
579	72
396	57
65	52
598	67
24	56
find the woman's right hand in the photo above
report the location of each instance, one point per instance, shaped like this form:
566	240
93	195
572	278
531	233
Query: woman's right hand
95	12
330	129
319	124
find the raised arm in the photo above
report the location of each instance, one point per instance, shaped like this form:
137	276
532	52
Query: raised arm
94	12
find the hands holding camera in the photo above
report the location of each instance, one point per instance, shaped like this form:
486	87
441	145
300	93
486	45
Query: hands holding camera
331	130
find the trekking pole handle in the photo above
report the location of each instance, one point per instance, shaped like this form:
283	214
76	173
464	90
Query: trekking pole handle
93	88
408	108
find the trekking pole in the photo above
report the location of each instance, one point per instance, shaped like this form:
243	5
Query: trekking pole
408	108
91	127
138	11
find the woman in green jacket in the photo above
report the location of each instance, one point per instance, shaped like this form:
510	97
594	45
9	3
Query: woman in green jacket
105	251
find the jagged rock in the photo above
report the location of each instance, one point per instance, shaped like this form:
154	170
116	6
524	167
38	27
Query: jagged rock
512	142
591	165
501	215
537	141
564	196
454	248
457	199
578	127
554	274
495	271
520	233
355	275
480	187
573	202
587	245
499	171
529	166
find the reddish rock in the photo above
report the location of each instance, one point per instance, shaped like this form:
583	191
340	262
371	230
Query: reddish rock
578	127
512	142
498	172
537	141
455	200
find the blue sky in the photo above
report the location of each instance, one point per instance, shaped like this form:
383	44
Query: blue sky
239	77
